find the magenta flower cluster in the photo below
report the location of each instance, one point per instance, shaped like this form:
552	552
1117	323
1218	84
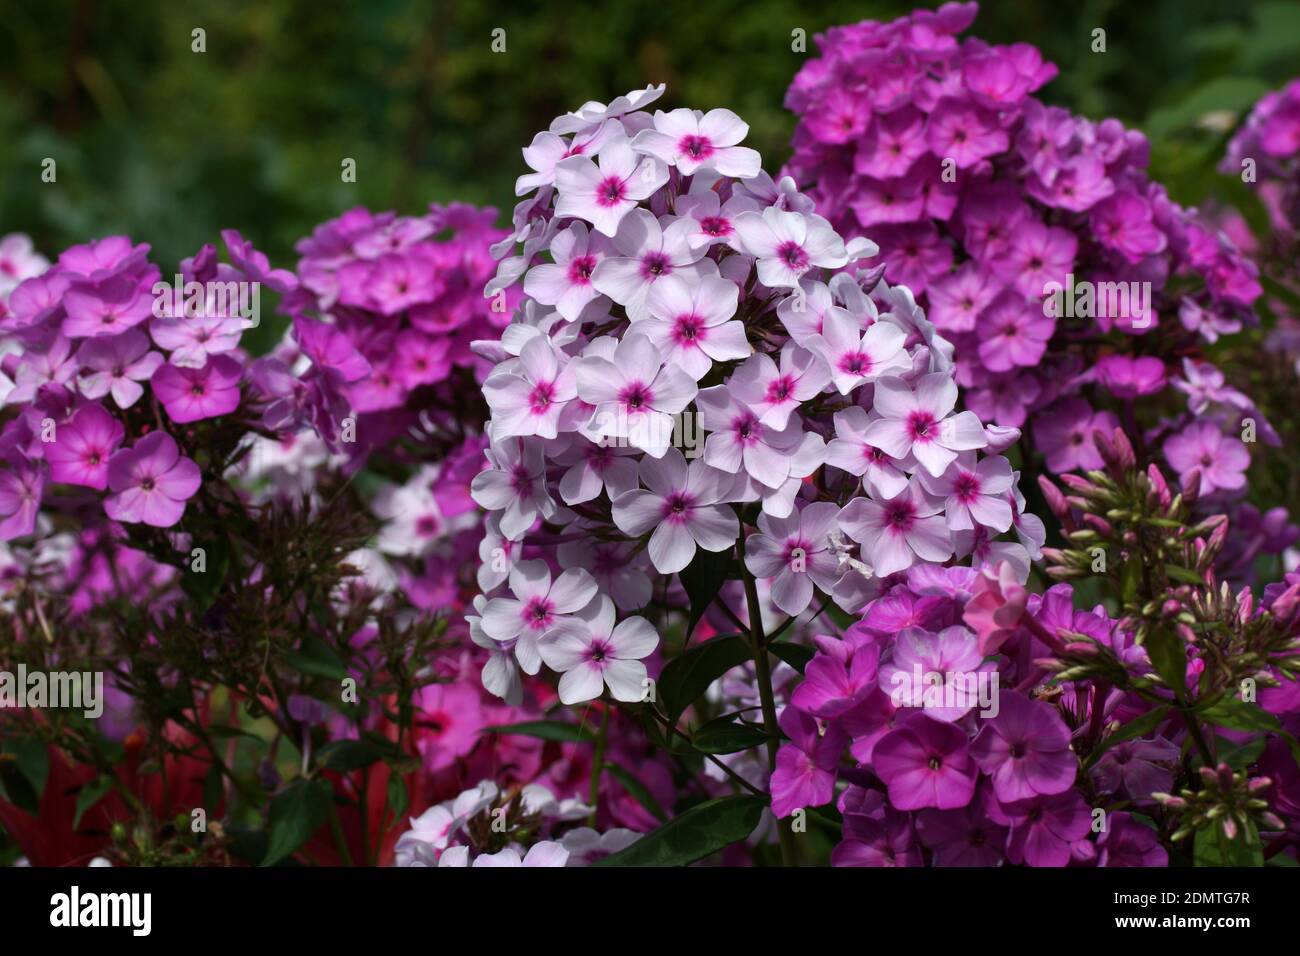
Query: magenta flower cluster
1072	286
947	769
110	364
1265	151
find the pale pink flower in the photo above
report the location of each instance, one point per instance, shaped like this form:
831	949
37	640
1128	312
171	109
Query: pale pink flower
918	421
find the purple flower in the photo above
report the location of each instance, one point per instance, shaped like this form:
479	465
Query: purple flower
1043	829
1026	749
116	366
1126	842
925	763
1127	377
150	482
1220	459
962	837
80	453
805	767
193	394
21	485
1136	768
1065	435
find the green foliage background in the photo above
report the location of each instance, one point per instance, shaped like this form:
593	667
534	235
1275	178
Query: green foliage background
169	145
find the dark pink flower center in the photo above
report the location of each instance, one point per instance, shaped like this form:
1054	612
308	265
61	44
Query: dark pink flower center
967	486
780	389
539	400
920	425
899	514
793	255
655	264
611	191
677	507
636	396
696	147
599	651
688	330
581	268
715	226
855	363
538	613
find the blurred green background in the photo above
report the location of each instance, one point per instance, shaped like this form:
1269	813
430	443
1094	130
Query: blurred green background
170	145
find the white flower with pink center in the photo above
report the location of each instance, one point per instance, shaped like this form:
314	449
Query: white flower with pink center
804	313
738	439
691	141
715	221
605	191
691	326
774	391
897	532
547	150
974	493
515	485
634	394
532	399
595	467
856	357
850	451
649	253
794	554
917	421
592	653
539	604
788	244
682	506
566	282
592	112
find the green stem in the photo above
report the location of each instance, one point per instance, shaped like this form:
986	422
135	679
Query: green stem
763	672
598	765
339	840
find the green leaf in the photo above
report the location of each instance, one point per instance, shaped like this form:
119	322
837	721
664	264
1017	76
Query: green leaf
725	736
202	587
703	579
796	655
33	759
1184	575
296	812
346	755
398	800
1169	658
316	658
547	730
699	832
689	675
637	789
1239	756
89	795
1137	727
1213	848
1236	714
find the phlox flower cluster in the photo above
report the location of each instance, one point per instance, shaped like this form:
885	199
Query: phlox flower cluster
934	772
1077	294
696	370
1265	151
